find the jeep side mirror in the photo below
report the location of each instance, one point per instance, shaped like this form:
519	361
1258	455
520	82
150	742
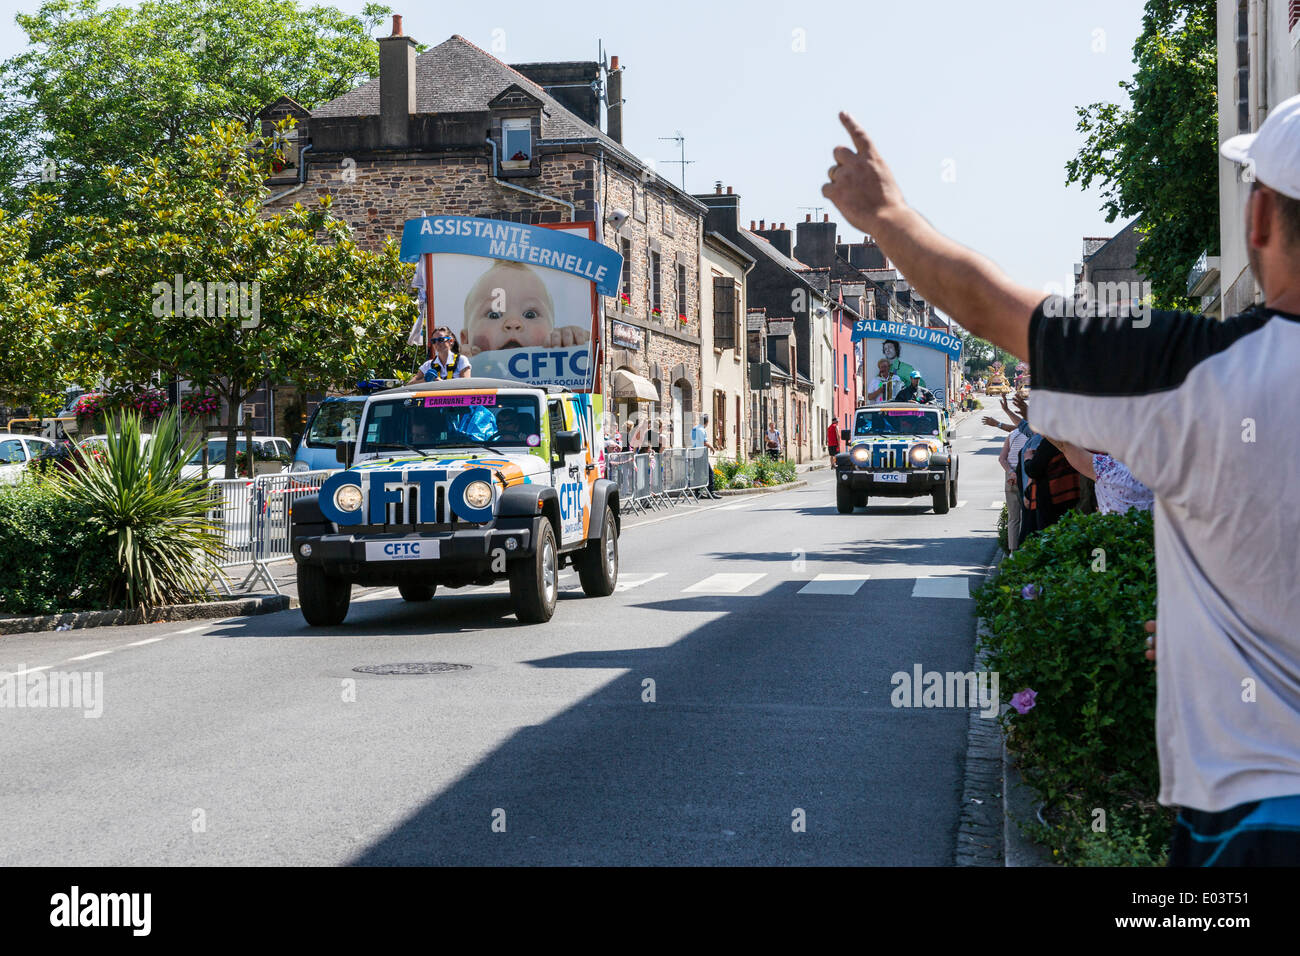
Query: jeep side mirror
844	435
568	443
343	454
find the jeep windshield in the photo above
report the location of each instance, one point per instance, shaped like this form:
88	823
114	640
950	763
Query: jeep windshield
430	422
895	421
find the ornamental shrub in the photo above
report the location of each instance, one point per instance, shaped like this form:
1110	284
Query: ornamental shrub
1065	617
51	557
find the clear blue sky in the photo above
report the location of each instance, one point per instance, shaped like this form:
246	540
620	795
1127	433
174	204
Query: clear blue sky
983	91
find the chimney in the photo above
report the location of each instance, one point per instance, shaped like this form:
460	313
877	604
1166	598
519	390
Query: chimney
826	217
396	87
778	236
614	106
815	242
752	225
724	213
717	187
807	217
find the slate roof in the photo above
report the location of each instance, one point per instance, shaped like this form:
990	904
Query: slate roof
456	76
771	252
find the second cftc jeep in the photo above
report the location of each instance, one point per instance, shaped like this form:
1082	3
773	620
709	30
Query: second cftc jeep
897	450
461	482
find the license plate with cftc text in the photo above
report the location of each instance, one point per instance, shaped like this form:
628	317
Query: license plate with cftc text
402	550
895	476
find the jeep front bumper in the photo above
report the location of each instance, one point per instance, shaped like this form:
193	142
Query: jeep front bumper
354	553
913	484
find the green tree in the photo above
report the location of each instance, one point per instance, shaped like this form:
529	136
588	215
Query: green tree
33	366
102	87
1157	159
979	354
285	298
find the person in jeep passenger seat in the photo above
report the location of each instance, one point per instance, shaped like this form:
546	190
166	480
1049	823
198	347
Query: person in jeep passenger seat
1170	396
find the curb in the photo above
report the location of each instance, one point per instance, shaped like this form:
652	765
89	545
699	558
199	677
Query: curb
736	492
981	829
76	620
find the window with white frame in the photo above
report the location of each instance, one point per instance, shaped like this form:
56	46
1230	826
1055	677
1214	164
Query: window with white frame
516	143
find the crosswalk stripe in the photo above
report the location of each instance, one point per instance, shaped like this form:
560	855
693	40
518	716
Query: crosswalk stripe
941	588
996	504
723	584
846	584
635	581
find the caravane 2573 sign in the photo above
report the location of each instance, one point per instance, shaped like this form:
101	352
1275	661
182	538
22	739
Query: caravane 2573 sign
522	300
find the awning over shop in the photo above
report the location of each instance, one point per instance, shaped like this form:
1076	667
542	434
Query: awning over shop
630	385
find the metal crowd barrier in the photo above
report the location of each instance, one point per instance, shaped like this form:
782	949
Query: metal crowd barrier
254	519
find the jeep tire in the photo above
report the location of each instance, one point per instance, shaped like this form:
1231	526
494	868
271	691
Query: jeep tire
598	561
417	592
535	580
843	498
324	599
940	498
952	492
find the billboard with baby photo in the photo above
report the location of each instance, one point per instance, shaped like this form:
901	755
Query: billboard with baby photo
522	301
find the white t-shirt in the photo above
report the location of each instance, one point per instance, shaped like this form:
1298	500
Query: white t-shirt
445	371
895	382
1203	413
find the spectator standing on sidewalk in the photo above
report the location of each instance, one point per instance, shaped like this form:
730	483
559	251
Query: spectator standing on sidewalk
1117	489
700	439
1173	396
833	440
1009	459
773	442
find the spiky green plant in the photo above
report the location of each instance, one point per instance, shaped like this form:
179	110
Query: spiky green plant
156	522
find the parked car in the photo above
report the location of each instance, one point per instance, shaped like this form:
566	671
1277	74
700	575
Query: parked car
265	449
16	451
101	441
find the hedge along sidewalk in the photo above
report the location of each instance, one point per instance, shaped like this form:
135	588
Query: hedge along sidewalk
76	620
994	800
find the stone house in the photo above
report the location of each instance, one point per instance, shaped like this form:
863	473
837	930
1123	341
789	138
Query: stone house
456	131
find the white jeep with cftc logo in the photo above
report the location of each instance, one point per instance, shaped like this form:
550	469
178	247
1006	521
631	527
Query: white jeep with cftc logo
455	483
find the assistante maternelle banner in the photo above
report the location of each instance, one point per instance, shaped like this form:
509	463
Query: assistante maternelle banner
521	300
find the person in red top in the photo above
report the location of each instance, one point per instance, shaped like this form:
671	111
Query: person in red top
833	440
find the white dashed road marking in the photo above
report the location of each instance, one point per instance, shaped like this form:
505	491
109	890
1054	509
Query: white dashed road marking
941	588
635	581
723	584
846	584
86	657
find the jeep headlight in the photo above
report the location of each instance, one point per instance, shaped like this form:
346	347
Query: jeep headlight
920	455
347	498
861	454
478	494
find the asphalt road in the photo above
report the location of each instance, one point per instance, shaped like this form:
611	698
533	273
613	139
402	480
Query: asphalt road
253	740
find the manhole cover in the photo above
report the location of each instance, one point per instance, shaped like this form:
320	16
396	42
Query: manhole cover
430	667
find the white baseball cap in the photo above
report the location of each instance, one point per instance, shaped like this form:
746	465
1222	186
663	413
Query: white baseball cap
1273	153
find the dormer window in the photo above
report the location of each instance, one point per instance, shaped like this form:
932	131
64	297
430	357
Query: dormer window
516	143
